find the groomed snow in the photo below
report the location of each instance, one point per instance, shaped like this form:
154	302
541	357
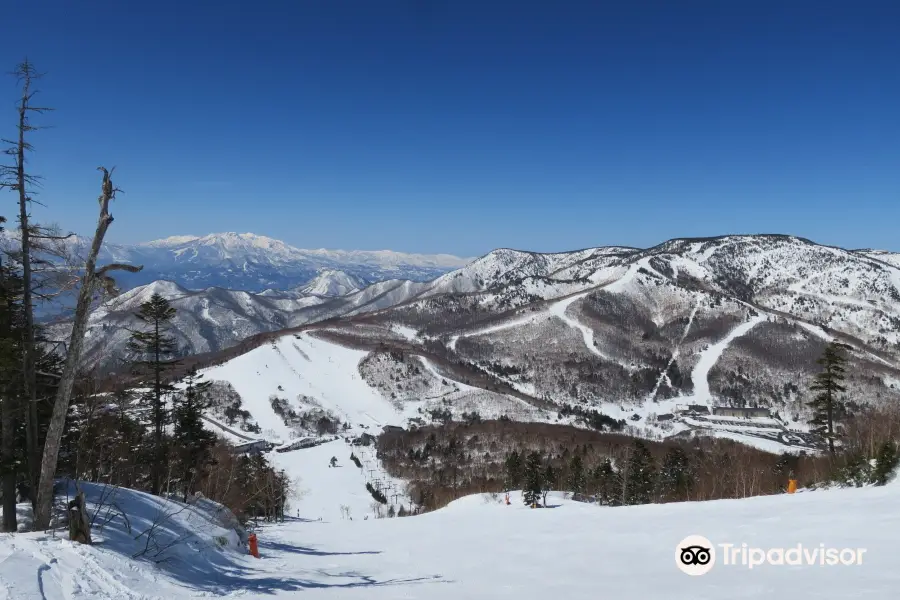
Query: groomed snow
708	359
479	548
558	309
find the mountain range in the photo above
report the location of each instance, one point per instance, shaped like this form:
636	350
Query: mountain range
634	333
255	263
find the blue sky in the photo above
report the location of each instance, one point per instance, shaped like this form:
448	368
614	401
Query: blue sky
435	126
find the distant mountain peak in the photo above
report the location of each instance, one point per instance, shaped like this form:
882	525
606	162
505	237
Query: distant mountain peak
333	282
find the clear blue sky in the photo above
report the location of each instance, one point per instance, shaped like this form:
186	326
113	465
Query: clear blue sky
438	126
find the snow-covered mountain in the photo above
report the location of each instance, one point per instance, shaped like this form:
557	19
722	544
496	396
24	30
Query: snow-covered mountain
733	321
331	282
255	263
635	333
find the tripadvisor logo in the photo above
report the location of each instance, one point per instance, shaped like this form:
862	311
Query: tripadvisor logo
696	555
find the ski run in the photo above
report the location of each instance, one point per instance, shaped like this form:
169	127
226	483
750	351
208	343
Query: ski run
477	547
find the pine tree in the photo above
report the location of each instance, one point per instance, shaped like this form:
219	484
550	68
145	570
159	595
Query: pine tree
576	476
10	352
191	441
827	407
856	471
641	475
533	476
153	350
885	463
14	393
676	479
513	468
549	478
609	484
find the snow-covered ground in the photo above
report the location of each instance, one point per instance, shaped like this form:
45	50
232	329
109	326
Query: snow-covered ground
335	493
480	548
710	356
303	365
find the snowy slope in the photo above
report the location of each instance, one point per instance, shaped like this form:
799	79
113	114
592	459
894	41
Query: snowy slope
302	369
335	493
174	546
331	282
478	548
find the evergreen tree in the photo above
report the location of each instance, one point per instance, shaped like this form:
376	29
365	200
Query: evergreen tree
191	441
856	471
609	484
513	468
885	463
676	479
641	475
549	479
153	350
784	469
533	476
10	353
576	480
15	413
827	407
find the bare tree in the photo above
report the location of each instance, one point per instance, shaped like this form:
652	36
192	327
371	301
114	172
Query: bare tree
15	177
90	281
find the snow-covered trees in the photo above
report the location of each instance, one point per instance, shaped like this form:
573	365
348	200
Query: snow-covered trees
676	479
640	479
576	480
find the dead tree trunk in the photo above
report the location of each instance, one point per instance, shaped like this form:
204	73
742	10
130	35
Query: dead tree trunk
17	179
90	280
79	521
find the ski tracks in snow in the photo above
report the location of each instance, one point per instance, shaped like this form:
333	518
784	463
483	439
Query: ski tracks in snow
492	329
558	309
664	376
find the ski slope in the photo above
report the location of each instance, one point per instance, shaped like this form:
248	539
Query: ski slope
559	309
479	548
324	490
499	327
708	359
295	365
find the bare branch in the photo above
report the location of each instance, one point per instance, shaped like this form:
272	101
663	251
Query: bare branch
118	267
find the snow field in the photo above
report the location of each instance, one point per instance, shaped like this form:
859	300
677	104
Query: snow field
479	548
303	364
